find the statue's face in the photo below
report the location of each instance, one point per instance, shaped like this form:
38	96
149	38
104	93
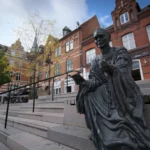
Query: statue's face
101	38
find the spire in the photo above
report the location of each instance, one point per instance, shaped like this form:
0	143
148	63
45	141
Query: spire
35	45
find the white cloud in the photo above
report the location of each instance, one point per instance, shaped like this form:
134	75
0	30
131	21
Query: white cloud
64	12
105	21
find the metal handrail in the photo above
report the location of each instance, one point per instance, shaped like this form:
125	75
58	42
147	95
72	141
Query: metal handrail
9	91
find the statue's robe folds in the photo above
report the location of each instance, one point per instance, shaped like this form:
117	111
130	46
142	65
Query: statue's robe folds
113	105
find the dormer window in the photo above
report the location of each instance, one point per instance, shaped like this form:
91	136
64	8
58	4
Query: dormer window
124	18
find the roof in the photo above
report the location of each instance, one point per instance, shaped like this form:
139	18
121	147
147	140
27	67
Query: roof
78	27
145	8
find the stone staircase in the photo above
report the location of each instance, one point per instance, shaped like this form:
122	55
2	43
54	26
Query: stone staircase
55	125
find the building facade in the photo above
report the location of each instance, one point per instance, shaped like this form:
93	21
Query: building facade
67	57
18	66
131	29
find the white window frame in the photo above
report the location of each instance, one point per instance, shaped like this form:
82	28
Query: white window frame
20	54
40	75
140	67
11	62
57	69
13	53
90	55
67	46
20	64
148	31
125	18
71	44
129	41
69	65
46	75
18	76
57	51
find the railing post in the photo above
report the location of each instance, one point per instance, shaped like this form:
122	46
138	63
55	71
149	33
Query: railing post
6	118
53	90
33	92
67	83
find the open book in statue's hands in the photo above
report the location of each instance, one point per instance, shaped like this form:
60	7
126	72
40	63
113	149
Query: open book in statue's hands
77	78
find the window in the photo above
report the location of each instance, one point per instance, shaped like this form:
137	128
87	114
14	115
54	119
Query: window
11	62
71	44
57	90
67	46
20	64
148	31
110	44
58	51
57	69
40	75
90	55
128	41
11	74
124	18
69	65
13	53
40	62
20	54
18	76
137	72
46	75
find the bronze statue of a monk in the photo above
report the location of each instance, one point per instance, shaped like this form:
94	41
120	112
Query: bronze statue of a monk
111	101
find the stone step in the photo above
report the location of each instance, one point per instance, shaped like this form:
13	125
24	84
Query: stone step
51	109
20	140
3	147
47	117
143	83
59	97
74	137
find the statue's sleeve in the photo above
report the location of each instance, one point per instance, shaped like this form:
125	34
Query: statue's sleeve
96	78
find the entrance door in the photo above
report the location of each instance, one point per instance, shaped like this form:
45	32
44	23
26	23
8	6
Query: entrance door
137	72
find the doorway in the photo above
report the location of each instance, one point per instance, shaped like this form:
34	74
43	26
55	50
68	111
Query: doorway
137	72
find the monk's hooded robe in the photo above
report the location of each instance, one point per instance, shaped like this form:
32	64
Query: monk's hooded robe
113	104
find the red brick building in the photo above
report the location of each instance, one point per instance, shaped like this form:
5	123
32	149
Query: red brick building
68	55
131	29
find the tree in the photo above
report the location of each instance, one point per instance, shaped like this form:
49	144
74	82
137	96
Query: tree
4	68
33	33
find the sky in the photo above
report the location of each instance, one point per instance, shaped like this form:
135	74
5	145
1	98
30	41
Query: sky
64	12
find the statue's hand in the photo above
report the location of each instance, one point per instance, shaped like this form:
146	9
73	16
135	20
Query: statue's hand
107	67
